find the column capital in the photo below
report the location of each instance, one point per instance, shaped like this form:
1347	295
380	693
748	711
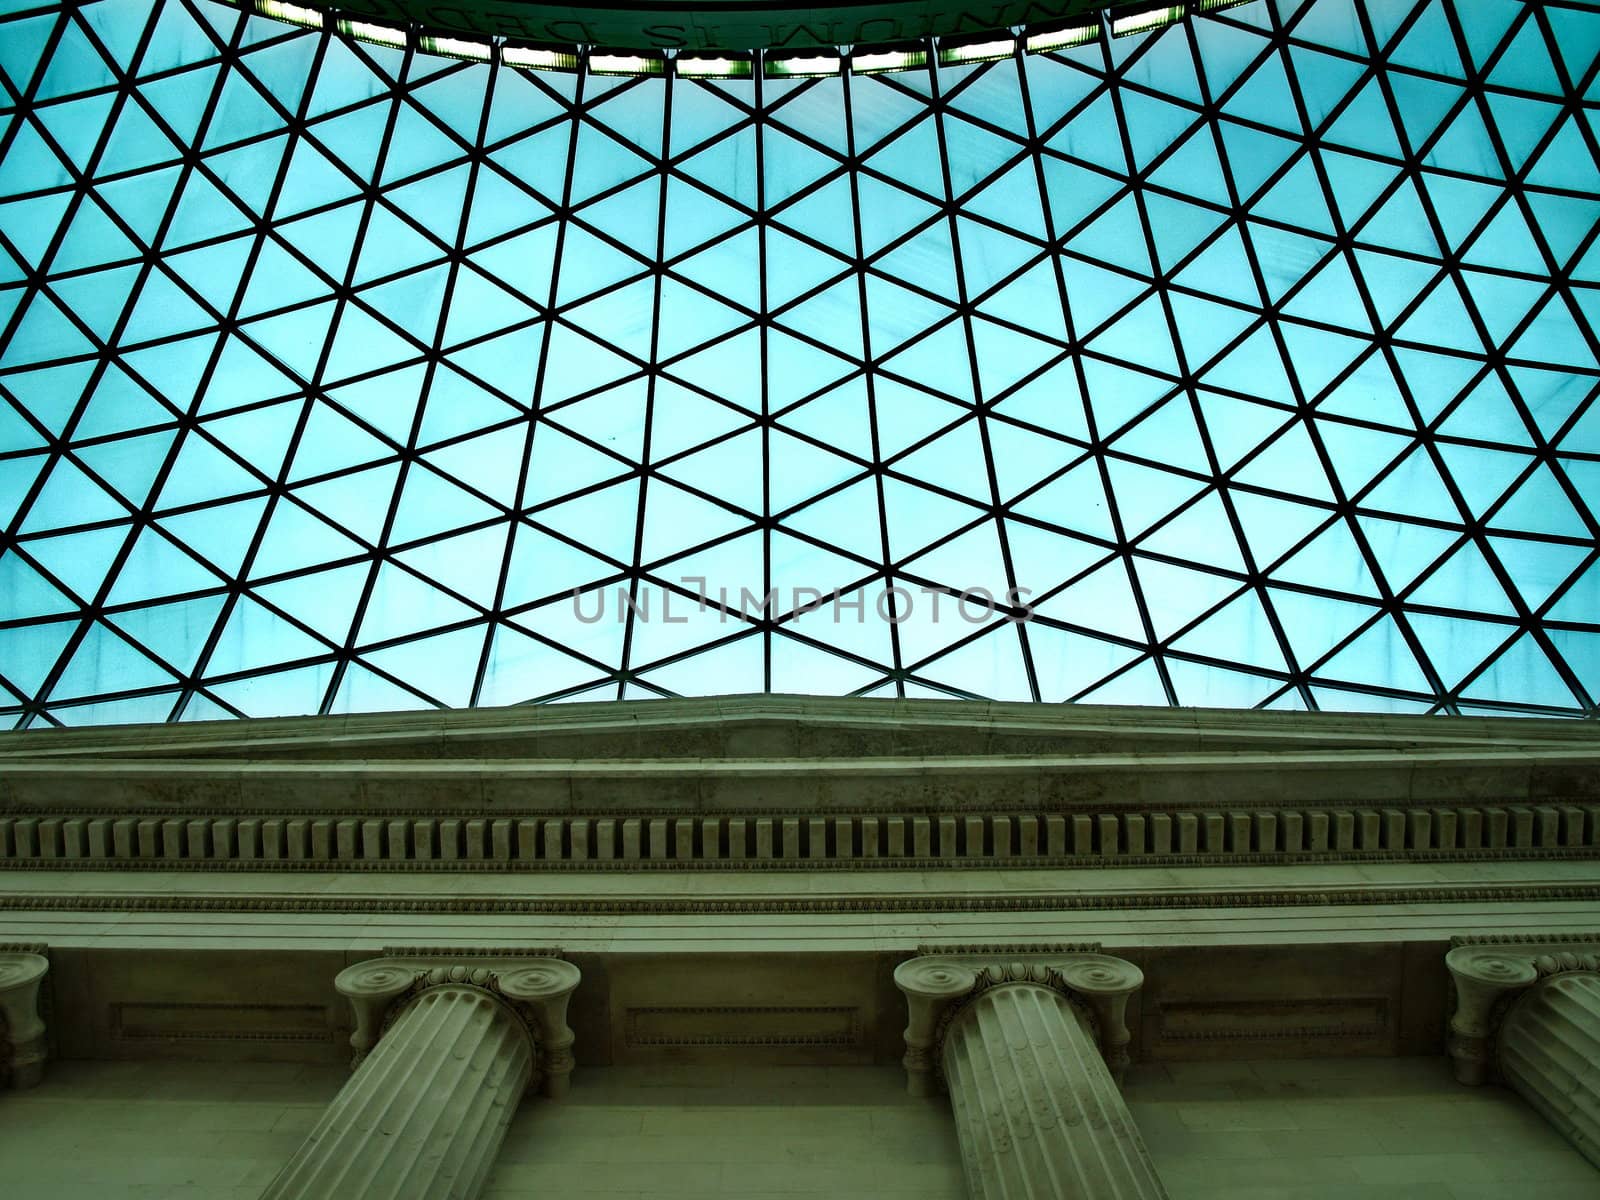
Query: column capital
941	981
1488	972
22	1031
533	987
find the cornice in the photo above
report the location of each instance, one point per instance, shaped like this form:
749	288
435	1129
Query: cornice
617	767
1066	901
783	784
687	726
193	770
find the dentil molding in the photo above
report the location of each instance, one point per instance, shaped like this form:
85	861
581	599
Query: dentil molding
1074	900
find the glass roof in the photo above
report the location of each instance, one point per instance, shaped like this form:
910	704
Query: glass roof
1247	362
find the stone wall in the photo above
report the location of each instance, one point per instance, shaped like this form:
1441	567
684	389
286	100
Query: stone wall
766	1134
157	1130
1347	1129
1326	1129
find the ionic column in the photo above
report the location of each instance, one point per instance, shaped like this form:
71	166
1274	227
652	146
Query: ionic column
22	1047
1529	1016
1027	1052
444	1052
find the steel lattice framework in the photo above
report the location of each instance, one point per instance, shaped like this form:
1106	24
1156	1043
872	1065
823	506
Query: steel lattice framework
1260	350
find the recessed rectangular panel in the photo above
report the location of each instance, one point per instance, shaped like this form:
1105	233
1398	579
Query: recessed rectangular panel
801	1025
220	1022
1340	1020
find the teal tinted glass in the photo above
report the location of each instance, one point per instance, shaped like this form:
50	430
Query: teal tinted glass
1247	362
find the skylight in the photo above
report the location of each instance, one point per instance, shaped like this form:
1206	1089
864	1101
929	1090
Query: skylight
1246	361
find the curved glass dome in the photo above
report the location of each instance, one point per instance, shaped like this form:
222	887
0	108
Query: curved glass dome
1249	361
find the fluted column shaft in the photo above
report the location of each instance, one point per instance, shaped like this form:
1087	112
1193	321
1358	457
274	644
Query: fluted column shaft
1548	1049
1037	1112
423	1116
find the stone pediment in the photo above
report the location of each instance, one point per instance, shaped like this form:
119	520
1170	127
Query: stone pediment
803	728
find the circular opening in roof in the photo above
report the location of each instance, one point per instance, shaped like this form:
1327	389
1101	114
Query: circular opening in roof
723	25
